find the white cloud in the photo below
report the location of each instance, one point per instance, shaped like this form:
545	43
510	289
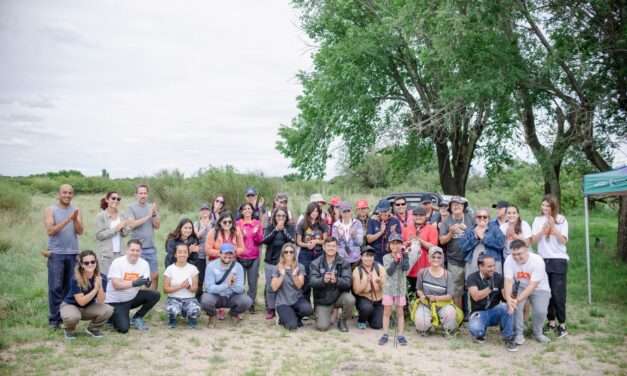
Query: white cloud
14	141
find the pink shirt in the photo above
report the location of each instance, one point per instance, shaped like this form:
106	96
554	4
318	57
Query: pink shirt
253	235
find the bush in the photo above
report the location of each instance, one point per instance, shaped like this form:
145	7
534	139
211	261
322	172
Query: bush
15	199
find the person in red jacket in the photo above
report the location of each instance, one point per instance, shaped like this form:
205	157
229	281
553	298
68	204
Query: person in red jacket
425	236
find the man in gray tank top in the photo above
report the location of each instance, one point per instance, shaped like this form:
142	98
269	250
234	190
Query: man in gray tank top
144	221
63	224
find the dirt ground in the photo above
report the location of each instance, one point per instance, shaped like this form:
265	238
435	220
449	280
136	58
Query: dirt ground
258	347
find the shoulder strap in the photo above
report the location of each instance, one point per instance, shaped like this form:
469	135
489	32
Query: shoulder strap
226	273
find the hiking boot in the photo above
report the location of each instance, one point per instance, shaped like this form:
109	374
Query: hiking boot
70	336
519	340
94	332
172	321
139	324
543	339
191	323
561	331
511	346
251	310
341	325
402	340
362	325
383	340
270	314
210	322
54	325
478	339
220	313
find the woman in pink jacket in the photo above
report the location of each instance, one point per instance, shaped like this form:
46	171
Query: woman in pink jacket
252	234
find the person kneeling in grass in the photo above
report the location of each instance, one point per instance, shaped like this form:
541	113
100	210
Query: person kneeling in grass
224	286
287	282
396	265
85	299
181	283
485	288
368	282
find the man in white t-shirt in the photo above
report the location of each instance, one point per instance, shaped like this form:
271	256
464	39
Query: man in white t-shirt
127	274
525	278
181	284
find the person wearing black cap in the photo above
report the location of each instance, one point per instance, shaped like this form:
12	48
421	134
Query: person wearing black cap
501	212
368	282
379	229
256	201
433	216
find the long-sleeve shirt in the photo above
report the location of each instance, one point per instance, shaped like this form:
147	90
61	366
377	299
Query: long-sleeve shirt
362	285
274	240
214	241
252	234
493	241
349	237
395	282
214	272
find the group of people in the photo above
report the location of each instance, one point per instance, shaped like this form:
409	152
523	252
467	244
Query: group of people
435	265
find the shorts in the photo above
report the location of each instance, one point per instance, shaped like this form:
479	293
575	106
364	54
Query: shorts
457	274
150	255
399	301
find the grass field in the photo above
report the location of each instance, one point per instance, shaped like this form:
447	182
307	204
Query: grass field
596	344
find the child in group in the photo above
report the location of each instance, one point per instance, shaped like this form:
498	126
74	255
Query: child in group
181	284
396	264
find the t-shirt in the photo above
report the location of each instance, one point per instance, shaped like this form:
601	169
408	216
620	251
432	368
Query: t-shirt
495	297
551	248
145	232
316	232
380	245
525	231
179	275
454	252
431	285
76	289
532	270
116	237
288	293
121	268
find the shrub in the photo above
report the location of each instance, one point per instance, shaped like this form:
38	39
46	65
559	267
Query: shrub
14	198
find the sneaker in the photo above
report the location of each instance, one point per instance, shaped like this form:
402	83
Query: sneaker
543	339
423	333
139	324
341	325
94	332
69	335
191	323
251	310
172	321
54	325
402	340
270	314
383	340
211	322
220	313
561	331
362	325
478	339
511	346
236	319
519	340
549	328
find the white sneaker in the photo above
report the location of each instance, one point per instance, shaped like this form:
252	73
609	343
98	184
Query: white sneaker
519	340
543	339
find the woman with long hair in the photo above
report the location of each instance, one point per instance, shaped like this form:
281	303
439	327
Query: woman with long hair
225	231
218	206
368	281
550	233
288	280
310	235
276	235
85	298
252	233
183	234
111	227
514	228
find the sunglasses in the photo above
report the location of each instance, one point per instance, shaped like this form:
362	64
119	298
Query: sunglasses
251	195
288	252
115	199
482	217
86	263
227	222
282	201
220	201
401	204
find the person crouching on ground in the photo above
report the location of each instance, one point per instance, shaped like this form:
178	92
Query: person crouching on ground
368	282
330	280
85	299
181	283
288	280
224	286
396	265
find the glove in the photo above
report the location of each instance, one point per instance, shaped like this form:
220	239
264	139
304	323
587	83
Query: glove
141	282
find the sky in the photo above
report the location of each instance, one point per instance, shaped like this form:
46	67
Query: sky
139	86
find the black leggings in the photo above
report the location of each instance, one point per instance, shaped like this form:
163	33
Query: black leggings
144	298
290	316
370	312
556	270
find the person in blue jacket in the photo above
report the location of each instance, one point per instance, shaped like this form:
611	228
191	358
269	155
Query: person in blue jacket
482	238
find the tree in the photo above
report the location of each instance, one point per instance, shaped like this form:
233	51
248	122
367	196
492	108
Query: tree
379	79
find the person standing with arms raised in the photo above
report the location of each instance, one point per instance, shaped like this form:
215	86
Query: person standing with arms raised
144	220
63	224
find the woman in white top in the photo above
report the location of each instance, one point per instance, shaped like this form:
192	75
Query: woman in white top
514	228
111	227
181	284
550	233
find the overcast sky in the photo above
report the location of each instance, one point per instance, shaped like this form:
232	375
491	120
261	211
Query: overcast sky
139	86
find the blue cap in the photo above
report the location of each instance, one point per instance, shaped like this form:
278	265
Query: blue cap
251	191
227	248
383	205
394	237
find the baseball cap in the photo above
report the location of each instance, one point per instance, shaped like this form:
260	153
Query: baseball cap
394	237
204	206
426	198
443	204
361	204
435	249
345	206
383	206
500	204
227	248
457	199
368	249
420	211
335	201
251	191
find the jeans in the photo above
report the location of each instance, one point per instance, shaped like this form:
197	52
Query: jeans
290	315
60	271
251	274
237	303
305	257
370	312
479	322
539	305
146	299
268	292
556	270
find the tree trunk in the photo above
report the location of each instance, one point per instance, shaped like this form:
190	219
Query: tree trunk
621	238
451	185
